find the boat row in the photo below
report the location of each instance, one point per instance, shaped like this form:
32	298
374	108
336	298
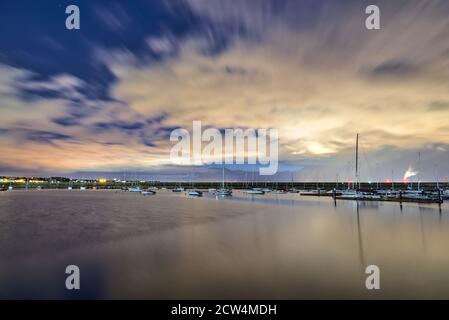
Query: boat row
408	195
222	192
268	190
144	192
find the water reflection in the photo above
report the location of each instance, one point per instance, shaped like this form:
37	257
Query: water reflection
172	246
360	243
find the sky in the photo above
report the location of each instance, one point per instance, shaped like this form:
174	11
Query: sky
103	100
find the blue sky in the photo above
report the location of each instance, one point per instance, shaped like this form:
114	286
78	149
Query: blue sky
106	97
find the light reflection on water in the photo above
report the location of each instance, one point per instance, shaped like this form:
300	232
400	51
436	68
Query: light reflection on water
260	246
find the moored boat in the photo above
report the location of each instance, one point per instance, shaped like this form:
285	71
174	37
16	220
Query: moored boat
416	196
317	192
147	192
279	191
356	195
254	191
195	193
223	192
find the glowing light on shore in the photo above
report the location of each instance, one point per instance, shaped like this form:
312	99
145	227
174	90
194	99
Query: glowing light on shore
409	173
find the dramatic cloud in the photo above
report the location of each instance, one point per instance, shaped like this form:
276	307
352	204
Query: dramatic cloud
308	68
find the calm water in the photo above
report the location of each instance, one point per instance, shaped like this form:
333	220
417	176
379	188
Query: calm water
171	246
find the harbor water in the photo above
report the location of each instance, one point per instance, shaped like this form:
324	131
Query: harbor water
170	246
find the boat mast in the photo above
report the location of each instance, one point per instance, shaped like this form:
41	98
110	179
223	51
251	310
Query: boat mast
392	180
222	178
357	160
436	176
419	169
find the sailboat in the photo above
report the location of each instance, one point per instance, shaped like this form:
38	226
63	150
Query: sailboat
148	192
292	189
193	192
253	190
316	192
223	191
179	188
266	189
278	190
408	195
356	193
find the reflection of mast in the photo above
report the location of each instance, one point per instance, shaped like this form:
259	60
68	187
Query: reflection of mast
423	235
360	242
